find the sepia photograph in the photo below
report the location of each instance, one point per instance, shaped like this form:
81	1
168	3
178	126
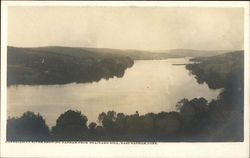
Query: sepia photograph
99	74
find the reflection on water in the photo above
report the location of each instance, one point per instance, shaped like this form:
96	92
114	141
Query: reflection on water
149	86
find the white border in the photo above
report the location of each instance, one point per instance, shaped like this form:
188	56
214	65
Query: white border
111	150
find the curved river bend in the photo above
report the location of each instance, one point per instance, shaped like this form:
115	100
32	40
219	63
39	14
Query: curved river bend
149	86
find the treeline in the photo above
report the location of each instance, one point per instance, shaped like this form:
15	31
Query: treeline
34	66
222	71
186	125
195	120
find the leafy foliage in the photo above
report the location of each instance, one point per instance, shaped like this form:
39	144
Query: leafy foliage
41	66
70	125
29	127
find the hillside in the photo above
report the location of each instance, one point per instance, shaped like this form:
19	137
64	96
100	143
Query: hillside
62	65
149	55
226	113
192	52
220	71
133	54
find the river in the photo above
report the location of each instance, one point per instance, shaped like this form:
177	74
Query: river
148	86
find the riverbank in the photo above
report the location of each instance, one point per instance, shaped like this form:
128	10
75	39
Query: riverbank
31	66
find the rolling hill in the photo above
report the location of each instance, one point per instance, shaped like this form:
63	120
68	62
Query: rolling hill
60	65
133	54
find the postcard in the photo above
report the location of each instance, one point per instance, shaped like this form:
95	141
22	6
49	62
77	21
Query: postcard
124	79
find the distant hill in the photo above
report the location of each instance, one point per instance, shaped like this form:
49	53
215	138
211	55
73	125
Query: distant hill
192	52
100	53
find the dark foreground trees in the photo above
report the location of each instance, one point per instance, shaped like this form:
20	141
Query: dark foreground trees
197	120
70	126
226	114
29	127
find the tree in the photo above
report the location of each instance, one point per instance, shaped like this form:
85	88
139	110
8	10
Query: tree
108	119
195	116
29	127
181	103
92	126
70	125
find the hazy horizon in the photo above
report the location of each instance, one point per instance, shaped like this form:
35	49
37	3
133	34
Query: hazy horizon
136	28
159	51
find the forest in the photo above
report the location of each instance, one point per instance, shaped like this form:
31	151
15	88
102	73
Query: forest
41	66
195	120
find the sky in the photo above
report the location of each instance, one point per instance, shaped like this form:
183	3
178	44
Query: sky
143	28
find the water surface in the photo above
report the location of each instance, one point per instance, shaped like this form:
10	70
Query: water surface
148	86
